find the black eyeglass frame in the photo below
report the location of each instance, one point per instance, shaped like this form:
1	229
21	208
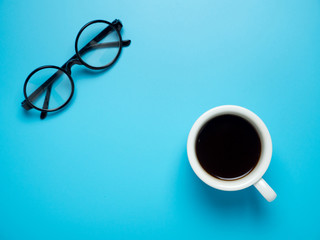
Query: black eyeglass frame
66	68
26	104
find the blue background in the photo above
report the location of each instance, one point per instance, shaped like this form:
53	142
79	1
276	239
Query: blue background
113	164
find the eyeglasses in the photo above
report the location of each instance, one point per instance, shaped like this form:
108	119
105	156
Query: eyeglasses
98	46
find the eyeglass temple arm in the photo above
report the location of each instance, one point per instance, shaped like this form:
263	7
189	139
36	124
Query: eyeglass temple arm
93	42
125	43
46	102
94	46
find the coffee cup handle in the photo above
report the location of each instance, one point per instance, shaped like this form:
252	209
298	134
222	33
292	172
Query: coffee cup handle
265	190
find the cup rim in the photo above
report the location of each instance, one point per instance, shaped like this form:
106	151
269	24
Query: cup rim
266	148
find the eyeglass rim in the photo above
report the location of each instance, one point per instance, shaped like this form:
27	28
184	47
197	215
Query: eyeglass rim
37	70
77	39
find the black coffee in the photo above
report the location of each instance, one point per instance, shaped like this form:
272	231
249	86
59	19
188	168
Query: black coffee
228	147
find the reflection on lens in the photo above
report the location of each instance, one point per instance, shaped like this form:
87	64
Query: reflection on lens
98	44
49	88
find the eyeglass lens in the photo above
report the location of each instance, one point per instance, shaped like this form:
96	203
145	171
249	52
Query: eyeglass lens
58	91
100	53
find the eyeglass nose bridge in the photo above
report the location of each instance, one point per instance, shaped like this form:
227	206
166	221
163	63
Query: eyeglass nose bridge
68	65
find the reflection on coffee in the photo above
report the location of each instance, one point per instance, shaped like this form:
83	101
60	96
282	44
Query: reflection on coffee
228	147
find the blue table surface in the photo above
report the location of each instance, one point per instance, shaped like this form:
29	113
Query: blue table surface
113	164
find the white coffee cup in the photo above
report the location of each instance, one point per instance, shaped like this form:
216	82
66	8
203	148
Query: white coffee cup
255	176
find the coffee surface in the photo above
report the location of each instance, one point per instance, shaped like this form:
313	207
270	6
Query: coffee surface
228	147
